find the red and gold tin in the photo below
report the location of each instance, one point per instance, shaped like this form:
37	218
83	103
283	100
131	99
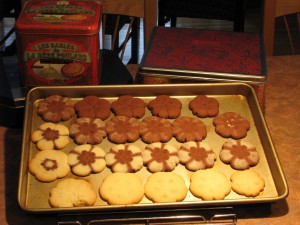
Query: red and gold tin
58	42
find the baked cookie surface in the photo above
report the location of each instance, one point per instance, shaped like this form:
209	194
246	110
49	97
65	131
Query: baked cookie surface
127	105
72	192
93	107
124	158
50	136
164	106
159	157
165	187
122	129
49	165
88	131
209	184
187	128
239	154
196	155
203	106
122	189
231	124
86	159
56	108
154	129
247	182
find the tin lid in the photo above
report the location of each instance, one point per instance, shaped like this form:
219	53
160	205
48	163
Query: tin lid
204	55
59	16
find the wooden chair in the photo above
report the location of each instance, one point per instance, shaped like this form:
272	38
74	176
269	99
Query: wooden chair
272	10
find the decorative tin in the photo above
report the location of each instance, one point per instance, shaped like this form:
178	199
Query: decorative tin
182	55
58	42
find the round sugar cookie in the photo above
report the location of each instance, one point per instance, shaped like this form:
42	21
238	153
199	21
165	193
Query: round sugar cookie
49	165
50	136
72	192
247	182
86	159
165	187
122	189
209	184
196	155
124	158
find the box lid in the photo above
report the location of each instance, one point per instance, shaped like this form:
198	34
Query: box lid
185	53
59	16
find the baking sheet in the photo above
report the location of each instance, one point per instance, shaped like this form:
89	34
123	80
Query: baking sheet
33	195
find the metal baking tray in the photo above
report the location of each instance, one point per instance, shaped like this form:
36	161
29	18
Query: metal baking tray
33	195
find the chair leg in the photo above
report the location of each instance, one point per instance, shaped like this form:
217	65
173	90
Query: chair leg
173	21
289	34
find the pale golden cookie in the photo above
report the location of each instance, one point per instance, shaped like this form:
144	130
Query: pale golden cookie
239	154
165	187
86	159
124	158
50	136
196	155
49	165
154	129
247	182
231	124
122	129
187	128
164	106
203	106
209	184
159	157
56	108
122	189
88	131
72	192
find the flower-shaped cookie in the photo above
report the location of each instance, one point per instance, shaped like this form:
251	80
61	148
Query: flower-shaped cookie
124	158
159	157
86	159
50	136
239	154
88	131
93	107
56	108
130	106
203	106
49	165
164	106
231	124
154	129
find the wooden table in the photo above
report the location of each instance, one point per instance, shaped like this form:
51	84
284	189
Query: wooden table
281	113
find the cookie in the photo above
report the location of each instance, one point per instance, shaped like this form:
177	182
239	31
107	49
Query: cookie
247	182
165	187
50	136
154	129
196	155
86	159
130	106
209	184
239	154
88	131
231	124
122	129
49	165
56	108
93	107
164	106
72	192
122	189
203	106
124	158
187	128
74	69
159	157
